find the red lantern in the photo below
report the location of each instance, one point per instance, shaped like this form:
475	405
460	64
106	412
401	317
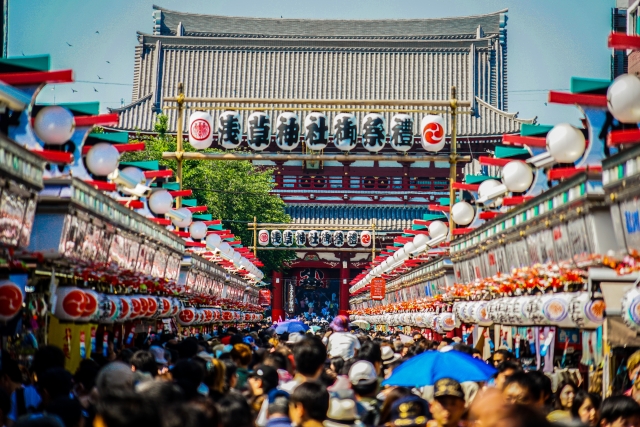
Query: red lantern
152	311
70	303
165	310
126	309
136	307
187	316
11	299
144	306
91	307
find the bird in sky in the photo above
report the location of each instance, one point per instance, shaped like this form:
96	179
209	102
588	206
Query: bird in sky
73	90
108	62
97	32
94	89
99	78
23	53
69	44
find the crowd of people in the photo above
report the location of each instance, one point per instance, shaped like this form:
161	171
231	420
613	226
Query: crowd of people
257	378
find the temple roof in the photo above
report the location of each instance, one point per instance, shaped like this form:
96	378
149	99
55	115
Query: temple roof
168	21
388	218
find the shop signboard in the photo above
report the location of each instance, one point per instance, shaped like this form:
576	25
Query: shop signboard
378	288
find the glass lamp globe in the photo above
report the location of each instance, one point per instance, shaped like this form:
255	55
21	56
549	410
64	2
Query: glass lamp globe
409	247
198	230
160	202
54	125
213	241
102	159
623	98
517	176
486	187
420	240
185	221
462	213
225	248
438	229
135	174
565	143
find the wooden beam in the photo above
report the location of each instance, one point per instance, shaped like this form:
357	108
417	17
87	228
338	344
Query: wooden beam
310	157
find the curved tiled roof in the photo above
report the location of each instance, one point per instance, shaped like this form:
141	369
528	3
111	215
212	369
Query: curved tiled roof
388	218
214	25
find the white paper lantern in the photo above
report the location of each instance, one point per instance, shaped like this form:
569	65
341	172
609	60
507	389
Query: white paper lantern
110	307
517	176
623	98
287	129
70	303
198	230
125	308
631	309
165	307
485	188
91	308
258	131
187	316
438	229
136	307
185	220
11	300
338	238
263	237
401	132
200	130
313	238
420	240
565	143
518	310
229	130
225	248
213	241
236	257
160	202
301	238
276	237
54	125
102	159
462	213
446	322
432	133
326	238
352	238
365	239
316	131
153	309
345	131
374	132
587	313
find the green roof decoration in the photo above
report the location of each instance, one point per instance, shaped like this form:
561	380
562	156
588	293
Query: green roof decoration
586	85
80	108
192	203
26	63
534	130
112	137
202	217
477	179
150	165
506	152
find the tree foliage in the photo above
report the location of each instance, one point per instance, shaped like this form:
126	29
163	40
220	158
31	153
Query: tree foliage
234	191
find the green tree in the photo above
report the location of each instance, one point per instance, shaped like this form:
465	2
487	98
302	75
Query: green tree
234	191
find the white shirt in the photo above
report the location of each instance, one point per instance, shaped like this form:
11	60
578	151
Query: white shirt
343	344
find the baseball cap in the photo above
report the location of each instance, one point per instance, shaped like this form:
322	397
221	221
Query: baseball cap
158	354
362	371
448	387
388	355
268	375
410	411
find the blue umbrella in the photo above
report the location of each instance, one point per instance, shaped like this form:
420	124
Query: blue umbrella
430	366
291	326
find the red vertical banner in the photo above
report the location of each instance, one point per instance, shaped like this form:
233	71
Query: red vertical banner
378	288
264	297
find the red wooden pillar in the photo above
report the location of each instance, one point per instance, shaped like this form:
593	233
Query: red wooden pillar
343	306
346	179
277	307
405	175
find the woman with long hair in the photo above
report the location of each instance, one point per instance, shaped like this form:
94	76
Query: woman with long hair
586	408
565	393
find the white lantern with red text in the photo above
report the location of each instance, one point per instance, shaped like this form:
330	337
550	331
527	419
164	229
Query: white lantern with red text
187	316
91	306
200	130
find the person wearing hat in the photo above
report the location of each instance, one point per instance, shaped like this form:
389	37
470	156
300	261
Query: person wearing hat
261	381
160	358
342	413
364	382
341	342
448	405
410	411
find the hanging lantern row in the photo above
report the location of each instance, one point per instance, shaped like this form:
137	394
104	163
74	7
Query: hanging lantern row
316	130
190	316
314	238
440	323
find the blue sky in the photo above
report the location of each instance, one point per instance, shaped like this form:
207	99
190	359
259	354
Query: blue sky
548	40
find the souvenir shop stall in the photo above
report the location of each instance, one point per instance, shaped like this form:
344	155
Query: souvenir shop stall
93	248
